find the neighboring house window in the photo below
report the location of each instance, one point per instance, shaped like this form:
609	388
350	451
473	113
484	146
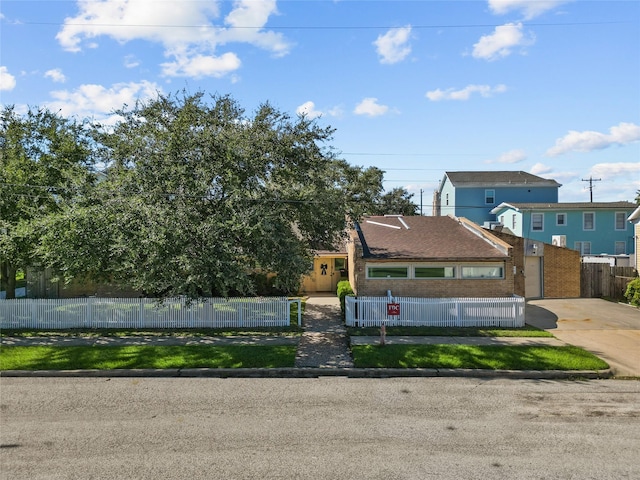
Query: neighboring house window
561	219
513	221
621	248
434	272
621	218
583	247
588	221
447	199
502	219
489	197
537	222
387	272
496	272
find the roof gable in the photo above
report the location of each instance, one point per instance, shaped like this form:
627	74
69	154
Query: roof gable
426	238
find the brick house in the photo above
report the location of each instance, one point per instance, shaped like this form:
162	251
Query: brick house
419	256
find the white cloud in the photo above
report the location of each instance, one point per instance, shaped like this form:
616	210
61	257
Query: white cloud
510	157
130	61
371	107
501	42
465	93
530	8
7	81
56	75
98	102
198	66
540	169
393	46
587	141
308	109
611	170
192	37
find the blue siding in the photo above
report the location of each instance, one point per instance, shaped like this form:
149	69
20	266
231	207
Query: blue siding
603	238
470	202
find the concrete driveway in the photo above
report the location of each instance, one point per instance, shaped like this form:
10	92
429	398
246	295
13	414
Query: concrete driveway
609	330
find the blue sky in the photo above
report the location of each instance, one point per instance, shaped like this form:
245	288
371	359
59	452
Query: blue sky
415	88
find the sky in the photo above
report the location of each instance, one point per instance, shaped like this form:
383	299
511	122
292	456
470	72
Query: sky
415	88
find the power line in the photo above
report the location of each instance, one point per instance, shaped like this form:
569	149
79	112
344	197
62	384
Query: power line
315	27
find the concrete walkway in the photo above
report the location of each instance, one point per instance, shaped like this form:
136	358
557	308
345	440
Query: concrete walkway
434	340
324	343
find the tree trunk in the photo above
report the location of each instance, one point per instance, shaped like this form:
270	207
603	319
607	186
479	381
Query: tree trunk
9	280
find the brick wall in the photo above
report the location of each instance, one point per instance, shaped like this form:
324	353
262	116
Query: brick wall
561	268
561	272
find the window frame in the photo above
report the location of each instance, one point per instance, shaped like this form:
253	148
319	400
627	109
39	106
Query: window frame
541	215
501	267
579	246
593	221
490	196
624	221
624	247
388	266
561	215
453	268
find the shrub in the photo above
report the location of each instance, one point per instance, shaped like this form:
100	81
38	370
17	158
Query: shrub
633	292
343	289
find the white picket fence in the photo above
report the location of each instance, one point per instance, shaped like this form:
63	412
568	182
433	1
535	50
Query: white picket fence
138	313
436	312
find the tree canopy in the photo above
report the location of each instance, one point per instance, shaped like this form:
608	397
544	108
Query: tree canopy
194	197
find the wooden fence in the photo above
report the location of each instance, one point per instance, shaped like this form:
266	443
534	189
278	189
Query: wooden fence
602	280
126	313
435	312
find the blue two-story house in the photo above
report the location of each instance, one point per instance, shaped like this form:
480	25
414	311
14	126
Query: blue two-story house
591	228
475	194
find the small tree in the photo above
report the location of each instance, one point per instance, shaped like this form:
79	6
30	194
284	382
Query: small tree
632	294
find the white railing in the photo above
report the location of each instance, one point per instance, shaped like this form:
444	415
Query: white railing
436	312
45	314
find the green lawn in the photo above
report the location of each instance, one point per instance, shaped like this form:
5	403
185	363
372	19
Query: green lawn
471	356
108	358
526	331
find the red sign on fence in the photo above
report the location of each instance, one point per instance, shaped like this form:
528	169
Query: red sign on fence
393	309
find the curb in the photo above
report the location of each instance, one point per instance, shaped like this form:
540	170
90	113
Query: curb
315	373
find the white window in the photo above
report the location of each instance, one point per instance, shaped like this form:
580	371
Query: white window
493	271
537	222
489	197
513	222
391	271
561	219
434	272
621	248
588	221
621	218
583	247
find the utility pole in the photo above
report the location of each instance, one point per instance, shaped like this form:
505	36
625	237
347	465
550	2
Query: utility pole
591	180
420	202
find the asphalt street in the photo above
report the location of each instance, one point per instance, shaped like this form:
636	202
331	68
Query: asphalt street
327	427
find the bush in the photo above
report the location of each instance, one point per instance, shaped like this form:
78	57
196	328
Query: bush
633	292
344	289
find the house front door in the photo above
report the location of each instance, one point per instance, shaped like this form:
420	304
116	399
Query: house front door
324	271
532	277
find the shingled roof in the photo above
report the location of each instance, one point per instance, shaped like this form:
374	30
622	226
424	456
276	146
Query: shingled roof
426	238
567	206
500	178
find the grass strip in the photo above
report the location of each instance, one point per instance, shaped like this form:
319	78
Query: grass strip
526	331
136	356
494	357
